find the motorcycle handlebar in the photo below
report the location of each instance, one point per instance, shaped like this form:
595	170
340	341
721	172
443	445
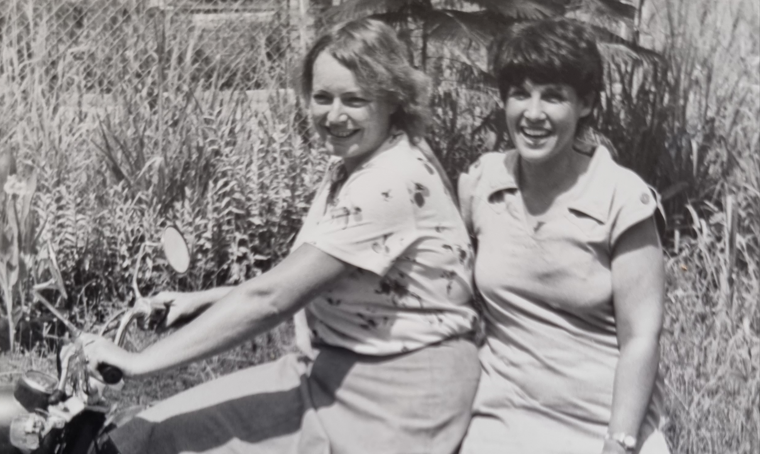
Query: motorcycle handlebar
111	375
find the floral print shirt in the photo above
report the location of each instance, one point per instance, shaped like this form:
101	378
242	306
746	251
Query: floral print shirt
393	220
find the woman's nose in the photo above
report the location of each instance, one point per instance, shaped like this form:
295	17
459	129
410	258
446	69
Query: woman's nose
534	110
336	114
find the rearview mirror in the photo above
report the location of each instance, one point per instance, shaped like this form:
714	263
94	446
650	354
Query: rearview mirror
175	249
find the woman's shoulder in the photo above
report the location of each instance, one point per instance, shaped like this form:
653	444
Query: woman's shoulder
618	179
489	160
398	174
491	169
621	193
404	164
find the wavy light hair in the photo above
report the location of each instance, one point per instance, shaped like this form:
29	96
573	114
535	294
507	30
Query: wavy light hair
372	51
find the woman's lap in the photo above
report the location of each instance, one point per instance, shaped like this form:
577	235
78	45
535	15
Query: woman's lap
415	404
537	432
340	403
262	405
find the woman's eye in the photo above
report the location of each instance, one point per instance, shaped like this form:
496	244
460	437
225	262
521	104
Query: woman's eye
356	101
321	99
517	94
554	97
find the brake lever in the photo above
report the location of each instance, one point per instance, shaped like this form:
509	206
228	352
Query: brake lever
158	323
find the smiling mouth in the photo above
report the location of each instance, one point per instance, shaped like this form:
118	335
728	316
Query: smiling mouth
535	133
342	134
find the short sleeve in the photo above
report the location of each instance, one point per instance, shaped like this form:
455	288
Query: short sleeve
466	190
371	223
634	202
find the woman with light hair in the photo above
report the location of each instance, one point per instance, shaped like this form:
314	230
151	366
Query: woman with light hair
381	269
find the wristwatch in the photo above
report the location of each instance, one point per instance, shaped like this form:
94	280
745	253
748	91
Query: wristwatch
628	442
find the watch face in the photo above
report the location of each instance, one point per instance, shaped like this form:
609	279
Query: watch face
629	442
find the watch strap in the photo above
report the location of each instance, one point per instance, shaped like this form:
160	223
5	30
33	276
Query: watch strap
626	441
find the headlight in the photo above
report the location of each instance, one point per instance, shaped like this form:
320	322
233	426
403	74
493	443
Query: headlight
33	389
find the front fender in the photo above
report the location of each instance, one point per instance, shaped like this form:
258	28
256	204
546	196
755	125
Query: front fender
9	409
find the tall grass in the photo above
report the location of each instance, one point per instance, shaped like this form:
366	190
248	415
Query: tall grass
710	169
123	146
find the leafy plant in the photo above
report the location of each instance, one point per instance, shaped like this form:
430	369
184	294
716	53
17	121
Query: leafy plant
17	247
464	28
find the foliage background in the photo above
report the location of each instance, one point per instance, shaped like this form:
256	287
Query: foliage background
131	117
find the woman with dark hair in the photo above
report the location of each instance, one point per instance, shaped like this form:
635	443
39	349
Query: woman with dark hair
568	264
381	269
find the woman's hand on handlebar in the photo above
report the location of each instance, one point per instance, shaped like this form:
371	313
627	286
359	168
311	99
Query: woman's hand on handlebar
101	351
173	309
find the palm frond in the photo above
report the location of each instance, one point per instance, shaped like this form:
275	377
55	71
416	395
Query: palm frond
420	9
614	46
393	18
466	73
458	26
353	9
616	10
523	9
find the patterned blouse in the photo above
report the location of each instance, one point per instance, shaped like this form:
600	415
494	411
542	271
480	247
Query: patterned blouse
393	220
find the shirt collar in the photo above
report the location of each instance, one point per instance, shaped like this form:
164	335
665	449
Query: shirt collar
500	180
593	198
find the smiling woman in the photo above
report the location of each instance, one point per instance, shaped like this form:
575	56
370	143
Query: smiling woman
380	276
542	119
360	86
568	264
352	122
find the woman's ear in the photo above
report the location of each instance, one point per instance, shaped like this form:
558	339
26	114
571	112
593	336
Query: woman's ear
396	111
396	106
587	105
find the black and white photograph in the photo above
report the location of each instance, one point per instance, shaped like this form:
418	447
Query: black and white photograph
379	227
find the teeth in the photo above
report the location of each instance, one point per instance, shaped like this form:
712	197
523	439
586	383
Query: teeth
342	134
536	133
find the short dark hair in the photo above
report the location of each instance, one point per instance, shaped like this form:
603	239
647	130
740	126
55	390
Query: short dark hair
380	62
549	51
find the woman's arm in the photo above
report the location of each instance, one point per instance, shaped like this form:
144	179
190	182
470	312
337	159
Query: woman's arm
638	285
178	307
251	308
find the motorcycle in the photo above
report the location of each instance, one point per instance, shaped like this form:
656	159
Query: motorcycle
42	414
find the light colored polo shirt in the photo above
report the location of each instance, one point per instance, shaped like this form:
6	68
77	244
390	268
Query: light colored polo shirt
394	222
551	349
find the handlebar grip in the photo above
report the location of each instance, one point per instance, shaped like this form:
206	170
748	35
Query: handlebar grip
56	397
111	375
